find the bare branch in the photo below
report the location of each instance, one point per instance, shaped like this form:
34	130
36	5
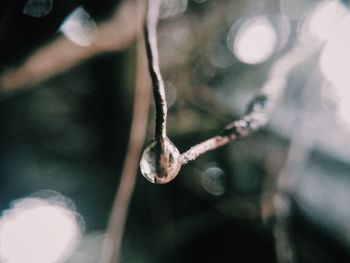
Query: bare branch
163	159
255	118
260	108
153	60
114	233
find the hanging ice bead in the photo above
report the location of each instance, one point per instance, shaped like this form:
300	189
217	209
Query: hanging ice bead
170	160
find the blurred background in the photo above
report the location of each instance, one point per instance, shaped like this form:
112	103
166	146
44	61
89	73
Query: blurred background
67	77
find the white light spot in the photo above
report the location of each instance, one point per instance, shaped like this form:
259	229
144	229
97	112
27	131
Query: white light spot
37	8
79	27
335	58
255	41
321	21
171	8
213	181
36	230
335	65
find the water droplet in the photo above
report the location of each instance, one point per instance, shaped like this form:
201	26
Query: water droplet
37	8
148	162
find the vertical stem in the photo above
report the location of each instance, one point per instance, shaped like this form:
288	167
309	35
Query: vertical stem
153	61
162	161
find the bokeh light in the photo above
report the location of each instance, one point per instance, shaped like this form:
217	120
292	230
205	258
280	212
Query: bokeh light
255	41
213	180
38	8
321	20
335	64
79	27
37	230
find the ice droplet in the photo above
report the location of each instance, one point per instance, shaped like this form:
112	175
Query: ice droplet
37	8
148	162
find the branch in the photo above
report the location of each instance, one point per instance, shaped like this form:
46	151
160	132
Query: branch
114	233
163	168
252	121
168	164
153	60
115	34
165	162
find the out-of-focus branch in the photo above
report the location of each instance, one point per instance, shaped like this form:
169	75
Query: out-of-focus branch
291	173
115	34
260	108
114	233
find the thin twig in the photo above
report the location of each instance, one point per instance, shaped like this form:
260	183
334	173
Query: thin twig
259	110
114	233
256	117
252	121
288	178
153	60
163	159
